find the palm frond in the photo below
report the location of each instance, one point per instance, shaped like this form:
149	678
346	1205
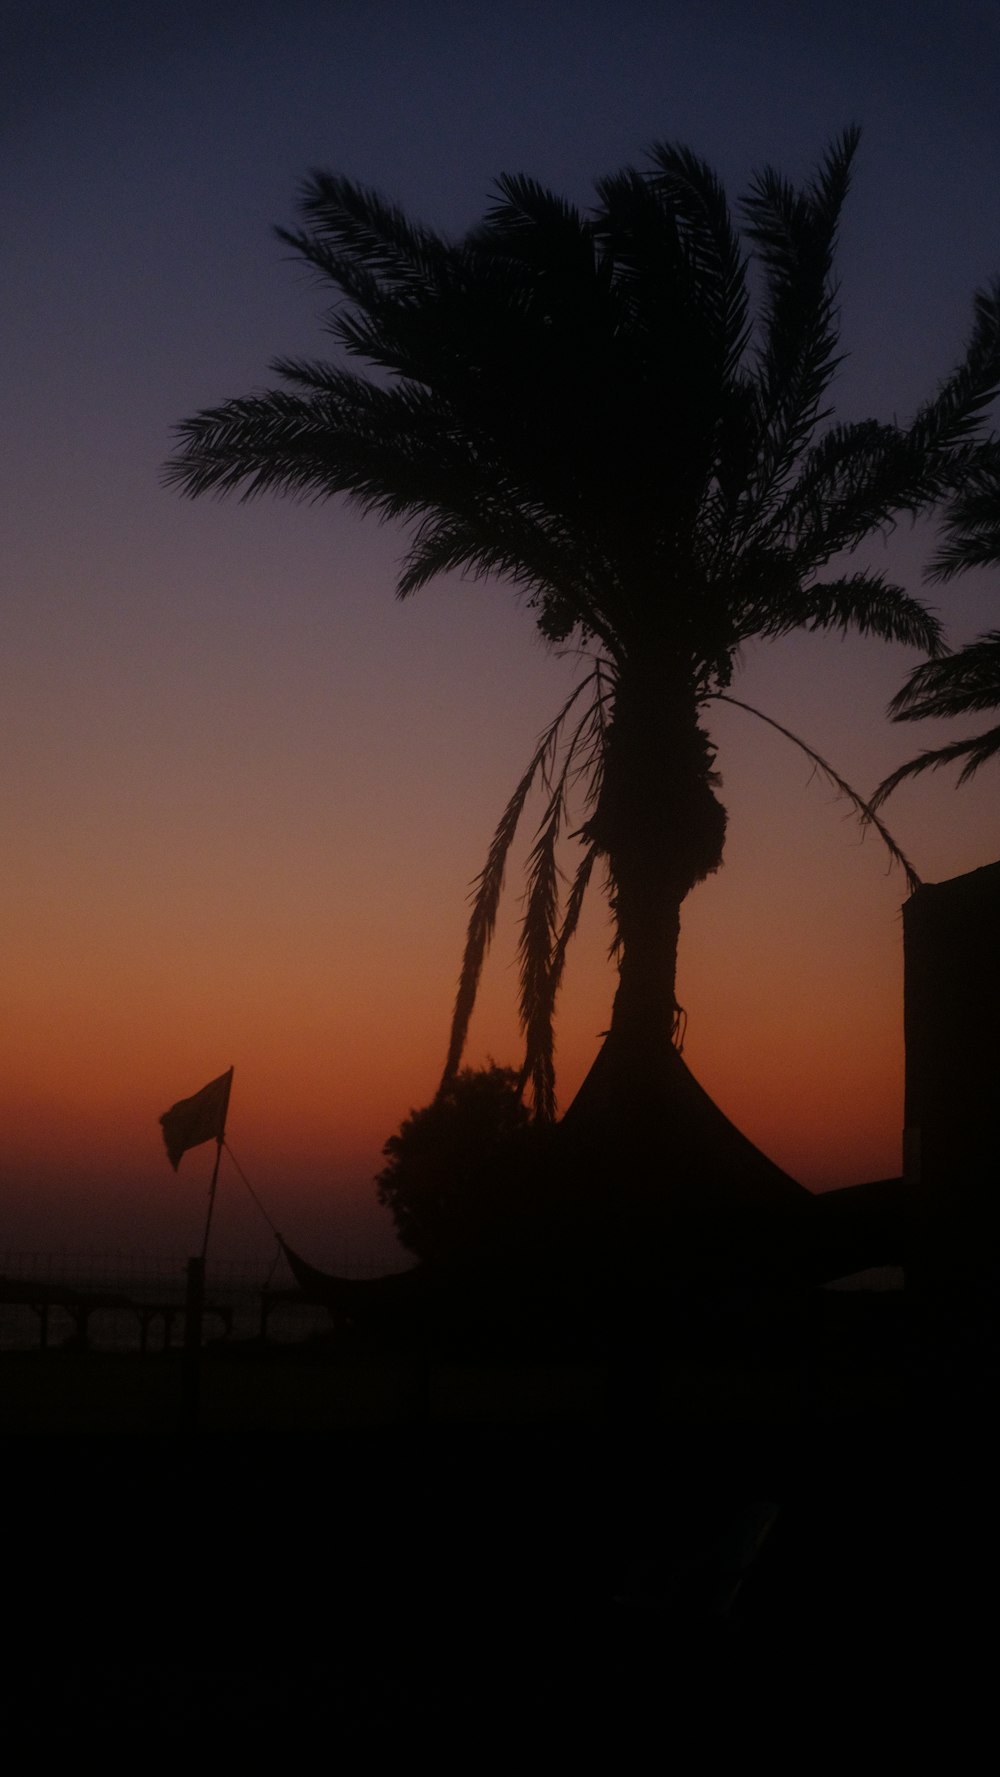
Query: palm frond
794	233
975	751
672	341
381	316
369	232
395	452
865	810
349	436
710	243
954	686
533	551
638	233
958	685
253	445
948	422
539	227
863	601
860	478
972	519
849	486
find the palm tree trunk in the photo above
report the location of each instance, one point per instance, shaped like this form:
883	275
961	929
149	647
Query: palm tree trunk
662	829
640	1123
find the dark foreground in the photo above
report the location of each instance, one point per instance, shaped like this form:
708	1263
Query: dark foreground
499	1563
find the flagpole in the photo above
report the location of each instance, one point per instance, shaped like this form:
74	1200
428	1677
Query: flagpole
194	1305
194	1309
187	1124
211	1194
194	1302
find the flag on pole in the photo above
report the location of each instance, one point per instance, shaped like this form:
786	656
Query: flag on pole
191	1121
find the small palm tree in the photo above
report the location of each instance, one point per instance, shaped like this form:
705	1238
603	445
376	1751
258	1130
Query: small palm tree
968	682
584	406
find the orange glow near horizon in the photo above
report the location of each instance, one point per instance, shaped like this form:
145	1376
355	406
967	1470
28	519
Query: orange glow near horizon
334	1041
299	912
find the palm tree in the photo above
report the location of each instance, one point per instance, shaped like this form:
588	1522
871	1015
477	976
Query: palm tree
968	682
583	406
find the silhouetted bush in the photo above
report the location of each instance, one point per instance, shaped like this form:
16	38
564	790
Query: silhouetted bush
463	1174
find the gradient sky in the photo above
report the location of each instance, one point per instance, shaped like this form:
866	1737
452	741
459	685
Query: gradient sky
244	791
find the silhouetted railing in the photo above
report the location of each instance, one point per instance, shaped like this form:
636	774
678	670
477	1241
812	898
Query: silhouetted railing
135	1301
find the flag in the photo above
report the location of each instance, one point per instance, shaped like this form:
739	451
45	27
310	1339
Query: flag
193	1120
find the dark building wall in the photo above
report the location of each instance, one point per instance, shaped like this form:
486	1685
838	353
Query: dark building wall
951	936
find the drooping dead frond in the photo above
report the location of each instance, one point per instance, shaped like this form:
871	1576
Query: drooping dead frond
568	765
536	945
489	883
544	939
865	810
548	988
571	918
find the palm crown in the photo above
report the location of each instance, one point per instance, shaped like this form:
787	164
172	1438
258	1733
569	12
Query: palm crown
584	405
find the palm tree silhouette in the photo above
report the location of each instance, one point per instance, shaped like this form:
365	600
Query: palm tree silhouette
584	406
968	682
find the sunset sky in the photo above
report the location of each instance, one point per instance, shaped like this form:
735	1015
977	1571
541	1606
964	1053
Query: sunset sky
244	791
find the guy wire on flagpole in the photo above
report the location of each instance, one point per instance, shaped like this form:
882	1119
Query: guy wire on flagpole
246	1181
